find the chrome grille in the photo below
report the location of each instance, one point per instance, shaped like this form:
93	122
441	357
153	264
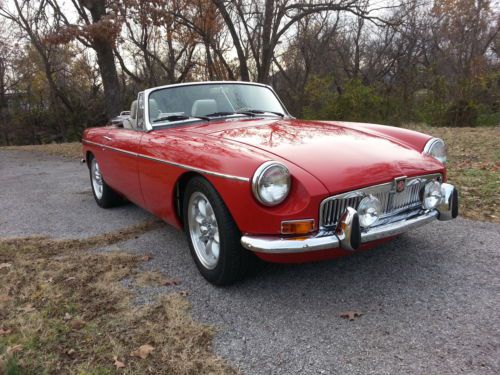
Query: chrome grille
392	202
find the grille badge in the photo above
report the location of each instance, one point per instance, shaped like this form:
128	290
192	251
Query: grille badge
400	184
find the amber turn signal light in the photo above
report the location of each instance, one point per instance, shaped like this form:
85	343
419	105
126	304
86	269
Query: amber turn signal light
297	226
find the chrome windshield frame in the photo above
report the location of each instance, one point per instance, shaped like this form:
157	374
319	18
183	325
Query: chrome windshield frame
149	125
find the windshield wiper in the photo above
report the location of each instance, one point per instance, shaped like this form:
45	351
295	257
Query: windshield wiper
210	116
260	111
178	118
220	114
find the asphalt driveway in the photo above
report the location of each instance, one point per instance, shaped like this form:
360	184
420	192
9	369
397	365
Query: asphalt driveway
430	299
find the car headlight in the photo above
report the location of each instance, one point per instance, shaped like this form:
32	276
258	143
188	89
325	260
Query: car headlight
271	183
436	148
369	211
431	195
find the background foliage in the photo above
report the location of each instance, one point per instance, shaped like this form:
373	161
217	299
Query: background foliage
68	65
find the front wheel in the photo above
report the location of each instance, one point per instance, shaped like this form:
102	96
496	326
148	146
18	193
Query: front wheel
214	238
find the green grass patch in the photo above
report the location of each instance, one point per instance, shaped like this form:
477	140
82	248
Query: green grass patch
474	167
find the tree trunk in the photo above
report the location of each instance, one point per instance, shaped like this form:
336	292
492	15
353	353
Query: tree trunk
267	44
103	46
244	71
110	81
209	60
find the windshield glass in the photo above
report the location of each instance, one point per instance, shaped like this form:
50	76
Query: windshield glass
177	103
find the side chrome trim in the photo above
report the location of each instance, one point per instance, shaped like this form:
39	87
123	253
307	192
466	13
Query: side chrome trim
278	245
179	165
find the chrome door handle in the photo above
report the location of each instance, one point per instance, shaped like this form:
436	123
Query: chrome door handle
107	138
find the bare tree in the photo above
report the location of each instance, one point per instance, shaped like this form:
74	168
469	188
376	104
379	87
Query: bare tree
35	22
8	78
96	27
161	45
258	27
463	33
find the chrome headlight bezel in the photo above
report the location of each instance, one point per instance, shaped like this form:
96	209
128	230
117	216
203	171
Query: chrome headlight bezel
259	178
436	148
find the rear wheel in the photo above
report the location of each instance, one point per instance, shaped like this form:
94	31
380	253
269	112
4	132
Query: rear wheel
214	238
104	195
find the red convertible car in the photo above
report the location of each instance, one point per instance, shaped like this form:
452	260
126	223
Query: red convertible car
226	162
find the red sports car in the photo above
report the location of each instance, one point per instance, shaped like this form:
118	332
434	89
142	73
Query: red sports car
226	162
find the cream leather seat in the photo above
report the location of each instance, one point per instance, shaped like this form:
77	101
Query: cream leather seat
204	107
130	122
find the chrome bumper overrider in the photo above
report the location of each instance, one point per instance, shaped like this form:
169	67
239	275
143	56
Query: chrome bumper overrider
349	235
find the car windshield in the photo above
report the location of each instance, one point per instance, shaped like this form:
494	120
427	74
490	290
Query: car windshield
211	101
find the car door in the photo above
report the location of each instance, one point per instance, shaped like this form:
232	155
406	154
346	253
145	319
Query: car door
158	172
122	163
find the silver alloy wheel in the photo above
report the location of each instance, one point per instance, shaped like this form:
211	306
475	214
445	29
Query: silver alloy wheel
95	173
203	230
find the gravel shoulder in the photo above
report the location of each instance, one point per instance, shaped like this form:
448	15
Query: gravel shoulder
51	196
430	298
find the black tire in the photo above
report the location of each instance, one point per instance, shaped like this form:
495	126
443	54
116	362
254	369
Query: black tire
109	197
233	260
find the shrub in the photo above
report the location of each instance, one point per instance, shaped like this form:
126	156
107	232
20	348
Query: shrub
460	113
353	102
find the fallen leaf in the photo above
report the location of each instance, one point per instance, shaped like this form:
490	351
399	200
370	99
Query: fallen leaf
351	315
67	316
184	293
14	349
28	308
77	324
169	282
5	332
5	265
118	364
5	298
143	351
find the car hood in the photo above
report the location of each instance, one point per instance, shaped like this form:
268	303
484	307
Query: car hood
340	156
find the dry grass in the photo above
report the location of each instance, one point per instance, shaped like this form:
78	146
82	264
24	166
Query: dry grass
64	309
68	150
474	167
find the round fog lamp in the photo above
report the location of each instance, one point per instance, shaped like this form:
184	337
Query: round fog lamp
369	211
431	195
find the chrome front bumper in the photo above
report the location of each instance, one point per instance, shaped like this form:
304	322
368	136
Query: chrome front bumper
348	234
